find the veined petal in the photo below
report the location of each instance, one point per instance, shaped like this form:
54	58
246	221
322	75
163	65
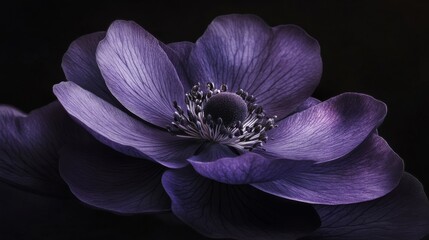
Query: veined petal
122	132
370	171
280	66
139	73
328	130
235	211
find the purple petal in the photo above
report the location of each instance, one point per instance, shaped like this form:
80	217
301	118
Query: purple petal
235	211
370	171
217	162
178	53
403	214
29	146
138	73
328	130
80	66
25	215
280	66
106	179
122	132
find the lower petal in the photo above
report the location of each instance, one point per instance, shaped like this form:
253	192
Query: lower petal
402	214
242	212
122	132
29	146
103	178
370	171
219	163
328	130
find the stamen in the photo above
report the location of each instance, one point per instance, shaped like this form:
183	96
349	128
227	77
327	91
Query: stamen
244	133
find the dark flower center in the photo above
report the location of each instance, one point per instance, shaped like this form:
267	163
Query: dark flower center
216	115
228	106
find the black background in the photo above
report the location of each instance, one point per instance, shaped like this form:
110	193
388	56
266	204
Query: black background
375	47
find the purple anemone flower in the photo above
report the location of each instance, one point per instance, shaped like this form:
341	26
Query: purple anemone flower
30	145
224	131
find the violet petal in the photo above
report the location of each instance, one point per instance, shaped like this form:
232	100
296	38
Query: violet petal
280	66
29	146
106	179
80	66
217	162
178	53
328	130
370	171
139	73
402	214
235	211
122	132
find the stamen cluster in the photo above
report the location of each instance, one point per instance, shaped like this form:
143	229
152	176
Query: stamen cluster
243	135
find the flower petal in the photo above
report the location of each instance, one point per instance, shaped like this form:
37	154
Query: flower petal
29	146
178	53
370	171
25	215
280	66
138	73
225	211
328	130
80	66
122	132
402	214
217	162
106	179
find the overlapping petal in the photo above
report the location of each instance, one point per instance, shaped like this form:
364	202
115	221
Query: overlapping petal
280	66
328	130
235	211
139	73
403	214
219	163
106	179
80	66
178	53
29	146
370	171
122	132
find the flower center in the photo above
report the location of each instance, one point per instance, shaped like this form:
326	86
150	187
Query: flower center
228	106
216	115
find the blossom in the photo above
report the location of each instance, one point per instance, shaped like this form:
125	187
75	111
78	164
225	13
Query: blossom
223	131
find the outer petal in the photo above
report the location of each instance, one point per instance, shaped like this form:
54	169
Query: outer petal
240	212
217	162
403	214
280	66
25	215
122	132
139	73
80	66
106	179
29	146
328	130
370	171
